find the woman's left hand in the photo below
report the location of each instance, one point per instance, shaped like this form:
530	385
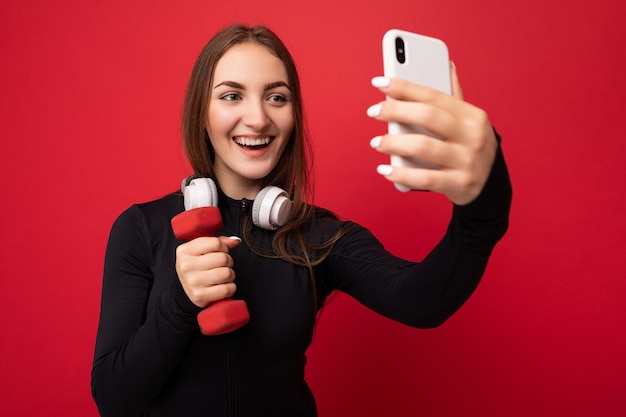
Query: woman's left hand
466	154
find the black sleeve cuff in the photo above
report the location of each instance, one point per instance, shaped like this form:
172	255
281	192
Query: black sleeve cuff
494	201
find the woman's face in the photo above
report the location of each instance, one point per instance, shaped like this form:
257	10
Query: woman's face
250	117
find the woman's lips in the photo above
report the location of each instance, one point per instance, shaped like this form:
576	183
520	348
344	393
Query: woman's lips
253	141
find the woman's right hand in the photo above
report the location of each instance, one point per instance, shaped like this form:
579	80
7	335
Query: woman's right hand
205	269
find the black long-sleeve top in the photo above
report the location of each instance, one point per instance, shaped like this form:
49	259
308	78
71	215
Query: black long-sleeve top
151	359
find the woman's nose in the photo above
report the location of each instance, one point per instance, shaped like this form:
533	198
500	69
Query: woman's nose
256	116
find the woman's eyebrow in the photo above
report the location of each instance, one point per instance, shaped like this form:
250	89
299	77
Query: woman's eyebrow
270	86
277	84
231	84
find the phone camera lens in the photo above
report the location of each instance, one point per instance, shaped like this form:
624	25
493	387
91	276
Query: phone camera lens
400	54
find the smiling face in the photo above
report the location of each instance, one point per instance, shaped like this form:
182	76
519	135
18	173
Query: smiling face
250	117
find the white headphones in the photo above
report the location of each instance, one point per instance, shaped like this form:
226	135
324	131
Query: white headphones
270	209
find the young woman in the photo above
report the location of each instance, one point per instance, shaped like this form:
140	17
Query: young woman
243	128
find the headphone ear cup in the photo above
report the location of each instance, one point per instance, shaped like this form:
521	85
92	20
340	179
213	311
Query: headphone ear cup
201	192
271	208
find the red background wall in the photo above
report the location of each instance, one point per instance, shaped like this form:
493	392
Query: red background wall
91	98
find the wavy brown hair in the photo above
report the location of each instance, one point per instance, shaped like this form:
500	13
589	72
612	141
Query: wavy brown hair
292	173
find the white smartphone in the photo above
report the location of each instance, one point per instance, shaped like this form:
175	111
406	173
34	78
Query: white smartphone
422	60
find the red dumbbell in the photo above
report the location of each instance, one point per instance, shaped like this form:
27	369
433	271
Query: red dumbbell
221	316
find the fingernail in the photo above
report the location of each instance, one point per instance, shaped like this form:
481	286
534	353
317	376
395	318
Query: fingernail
384	170
235	238
375	142
374	111
381	82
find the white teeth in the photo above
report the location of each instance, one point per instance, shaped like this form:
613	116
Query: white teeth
251	142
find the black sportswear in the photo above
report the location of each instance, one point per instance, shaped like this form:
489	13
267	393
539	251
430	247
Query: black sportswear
151	359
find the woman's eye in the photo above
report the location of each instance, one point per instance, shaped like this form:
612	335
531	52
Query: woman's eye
277	98
230	97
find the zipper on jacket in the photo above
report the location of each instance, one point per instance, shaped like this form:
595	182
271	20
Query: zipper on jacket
230	393
244	205
244	208
231	384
